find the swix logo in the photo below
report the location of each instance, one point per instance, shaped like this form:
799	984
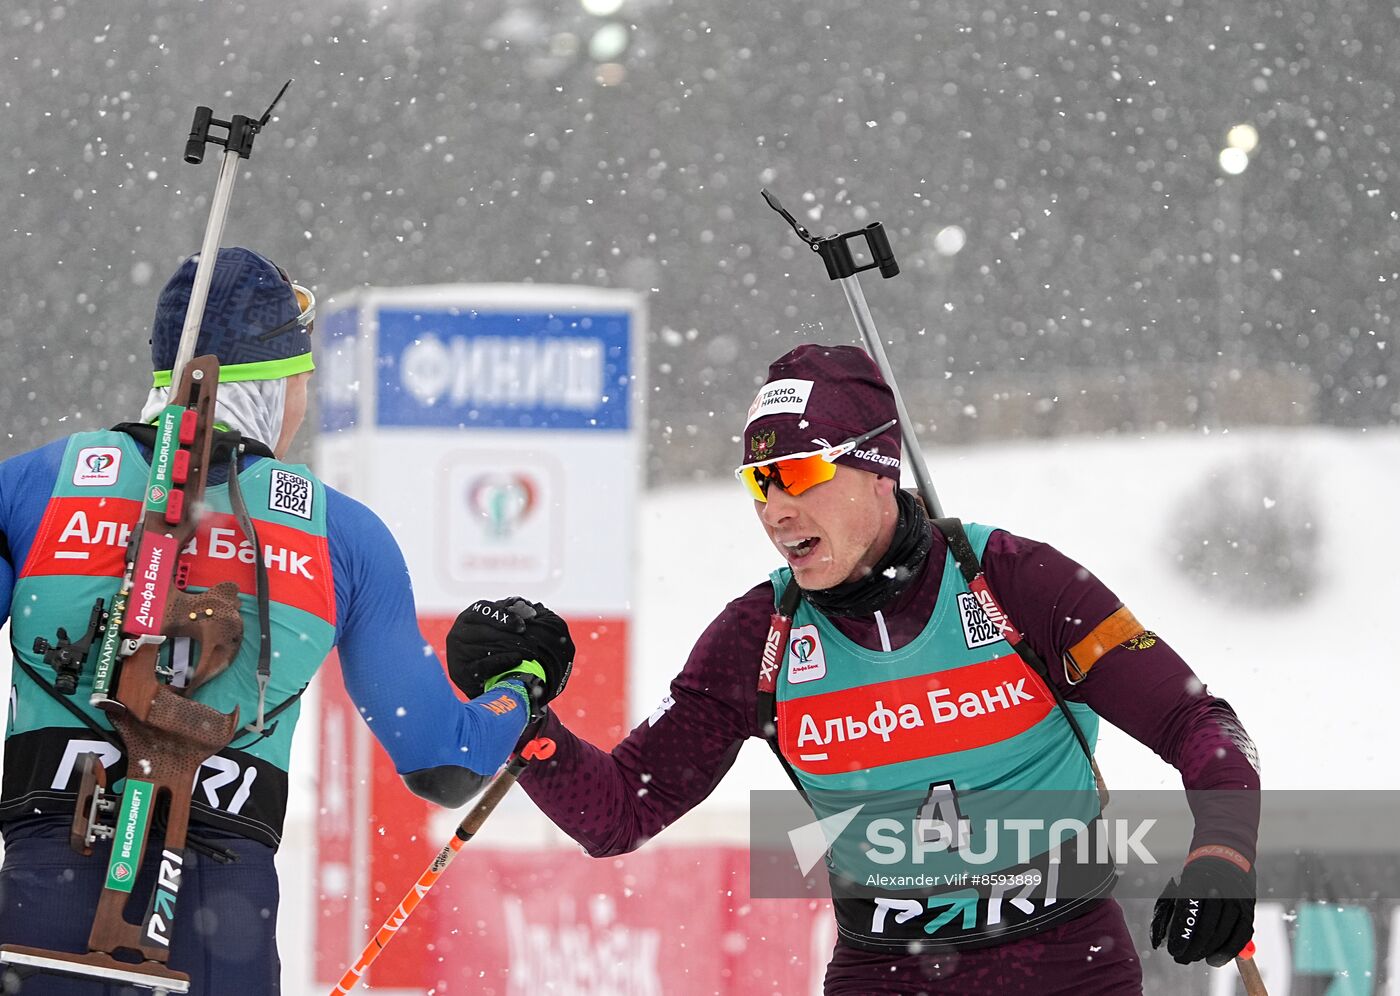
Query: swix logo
806	660
771	647
97	466
993	611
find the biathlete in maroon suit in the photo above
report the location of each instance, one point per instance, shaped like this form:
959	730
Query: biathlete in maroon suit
888	629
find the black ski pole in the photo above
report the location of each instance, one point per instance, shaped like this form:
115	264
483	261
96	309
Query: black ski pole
835	251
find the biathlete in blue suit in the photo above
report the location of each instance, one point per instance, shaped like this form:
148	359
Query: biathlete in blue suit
334	580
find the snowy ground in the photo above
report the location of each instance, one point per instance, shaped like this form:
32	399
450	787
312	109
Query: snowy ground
1313	681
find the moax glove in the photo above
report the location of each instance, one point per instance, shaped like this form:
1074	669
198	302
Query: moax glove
1210	913
511	638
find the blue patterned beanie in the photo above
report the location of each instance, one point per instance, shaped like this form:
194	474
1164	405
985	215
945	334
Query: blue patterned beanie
255	321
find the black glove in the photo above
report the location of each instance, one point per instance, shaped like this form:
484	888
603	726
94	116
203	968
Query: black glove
1209	915
510	638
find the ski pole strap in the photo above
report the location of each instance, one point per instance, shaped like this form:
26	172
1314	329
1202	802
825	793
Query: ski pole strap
971	569
774	650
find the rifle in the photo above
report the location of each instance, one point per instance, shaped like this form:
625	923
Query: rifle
167	735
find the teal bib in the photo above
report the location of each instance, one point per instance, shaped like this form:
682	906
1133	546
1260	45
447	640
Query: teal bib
952	735
77	557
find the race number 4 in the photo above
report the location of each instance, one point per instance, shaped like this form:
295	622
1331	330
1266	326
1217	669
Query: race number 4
939	815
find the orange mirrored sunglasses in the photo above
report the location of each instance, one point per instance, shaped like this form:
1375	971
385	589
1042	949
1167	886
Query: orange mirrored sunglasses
799	471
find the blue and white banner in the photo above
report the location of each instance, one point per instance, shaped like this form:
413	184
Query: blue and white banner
496	429
503	369
336	345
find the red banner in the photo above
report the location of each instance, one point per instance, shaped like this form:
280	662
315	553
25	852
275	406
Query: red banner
910	718
88	536
670	920
374	840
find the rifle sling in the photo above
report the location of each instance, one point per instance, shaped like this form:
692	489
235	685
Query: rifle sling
767	698
971	569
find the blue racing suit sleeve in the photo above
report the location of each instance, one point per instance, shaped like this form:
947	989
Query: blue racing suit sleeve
7	576
444	748
26	481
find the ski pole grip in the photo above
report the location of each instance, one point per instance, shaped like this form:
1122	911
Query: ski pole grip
199	134
1249	972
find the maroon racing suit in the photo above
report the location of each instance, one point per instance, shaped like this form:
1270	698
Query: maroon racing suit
613	802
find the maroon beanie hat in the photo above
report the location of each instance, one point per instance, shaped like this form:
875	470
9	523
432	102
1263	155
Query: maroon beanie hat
819	396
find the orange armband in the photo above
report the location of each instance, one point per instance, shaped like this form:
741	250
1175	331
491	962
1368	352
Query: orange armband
1117	629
